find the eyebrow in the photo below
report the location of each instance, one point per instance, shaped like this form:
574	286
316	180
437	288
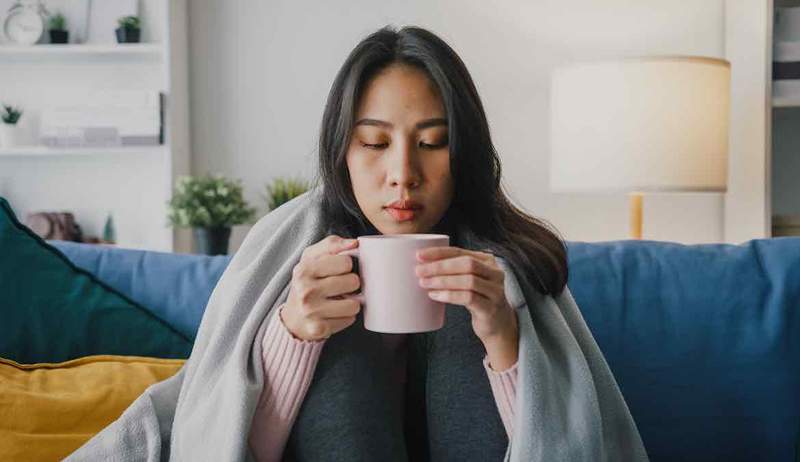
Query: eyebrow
423	124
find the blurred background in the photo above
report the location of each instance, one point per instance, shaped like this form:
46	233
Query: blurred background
237	88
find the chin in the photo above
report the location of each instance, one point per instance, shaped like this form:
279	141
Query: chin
404	228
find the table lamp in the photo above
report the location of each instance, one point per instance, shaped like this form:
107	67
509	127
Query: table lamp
643	124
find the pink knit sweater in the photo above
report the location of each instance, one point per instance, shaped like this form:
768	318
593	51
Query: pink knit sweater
289	365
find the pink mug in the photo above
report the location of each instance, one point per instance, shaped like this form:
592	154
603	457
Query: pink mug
393	300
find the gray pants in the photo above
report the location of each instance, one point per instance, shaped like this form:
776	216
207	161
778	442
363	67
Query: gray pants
360	407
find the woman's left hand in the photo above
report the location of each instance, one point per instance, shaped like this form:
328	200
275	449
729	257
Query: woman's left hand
476	281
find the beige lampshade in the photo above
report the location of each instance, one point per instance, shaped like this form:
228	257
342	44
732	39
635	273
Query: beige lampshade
640	124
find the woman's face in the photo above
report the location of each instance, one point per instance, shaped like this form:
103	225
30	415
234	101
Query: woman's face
398	158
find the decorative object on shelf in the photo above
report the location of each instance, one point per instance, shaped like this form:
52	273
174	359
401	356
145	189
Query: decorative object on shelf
111	118
109	233
9	129
25	22
57	28
282	190
54	225
129	30
643	124
210	205
102	15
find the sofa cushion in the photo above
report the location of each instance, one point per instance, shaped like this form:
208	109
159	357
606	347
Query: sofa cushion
174	287
704	341
53	311
47	411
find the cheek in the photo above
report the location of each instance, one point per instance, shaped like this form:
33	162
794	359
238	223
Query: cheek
439	171
363	174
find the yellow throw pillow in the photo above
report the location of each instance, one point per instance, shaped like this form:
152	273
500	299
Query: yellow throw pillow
48	410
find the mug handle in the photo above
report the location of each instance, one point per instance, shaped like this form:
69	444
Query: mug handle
353	253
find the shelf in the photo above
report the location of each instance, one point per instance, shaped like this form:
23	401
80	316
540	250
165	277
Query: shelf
44	151
110	50
786	101
786	93
785	225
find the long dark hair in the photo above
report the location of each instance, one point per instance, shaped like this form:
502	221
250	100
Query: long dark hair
479	201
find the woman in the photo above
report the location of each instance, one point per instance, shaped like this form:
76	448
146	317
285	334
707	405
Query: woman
281	368
404	148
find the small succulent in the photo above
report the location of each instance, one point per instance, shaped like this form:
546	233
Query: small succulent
129	22
208	201
11	114
57	22
282	190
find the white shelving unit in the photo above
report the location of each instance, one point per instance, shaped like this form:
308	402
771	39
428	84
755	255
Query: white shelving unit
44	151
133	183
49	51
784	139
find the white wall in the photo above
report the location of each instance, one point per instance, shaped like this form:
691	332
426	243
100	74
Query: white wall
260	72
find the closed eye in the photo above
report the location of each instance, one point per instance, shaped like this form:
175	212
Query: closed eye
422	145
432	146
375	146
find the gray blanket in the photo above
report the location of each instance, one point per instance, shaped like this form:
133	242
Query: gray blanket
568	405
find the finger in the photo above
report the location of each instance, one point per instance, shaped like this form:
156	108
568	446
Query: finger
437	253
339	285
467	298
459	265
330	265
332	308
463	282
329	246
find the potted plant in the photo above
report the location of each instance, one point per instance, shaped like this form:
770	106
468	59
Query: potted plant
210	205
129	30
56	26
10	133
282	190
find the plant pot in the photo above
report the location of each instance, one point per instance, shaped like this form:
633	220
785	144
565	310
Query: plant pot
211	240
10	135
127	35
59	36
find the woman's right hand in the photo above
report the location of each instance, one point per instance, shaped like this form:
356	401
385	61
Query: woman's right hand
309	312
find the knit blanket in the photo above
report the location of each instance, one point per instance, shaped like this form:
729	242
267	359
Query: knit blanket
568	405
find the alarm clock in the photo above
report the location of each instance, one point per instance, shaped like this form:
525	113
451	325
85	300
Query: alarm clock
25	22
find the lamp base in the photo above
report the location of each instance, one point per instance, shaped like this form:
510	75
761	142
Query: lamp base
635	200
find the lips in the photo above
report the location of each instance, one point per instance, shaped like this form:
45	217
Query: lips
405	204
403	210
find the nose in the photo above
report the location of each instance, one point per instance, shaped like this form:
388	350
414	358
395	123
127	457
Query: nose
403	169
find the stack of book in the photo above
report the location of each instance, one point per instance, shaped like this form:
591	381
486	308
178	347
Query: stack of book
110	118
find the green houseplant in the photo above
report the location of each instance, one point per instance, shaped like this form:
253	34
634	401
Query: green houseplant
57	28
129	30
282	190
210	205
10	132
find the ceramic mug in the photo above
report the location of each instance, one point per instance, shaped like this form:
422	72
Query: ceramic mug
392	298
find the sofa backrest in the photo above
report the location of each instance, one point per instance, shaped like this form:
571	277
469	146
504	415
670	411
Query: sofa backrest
704	340
175	287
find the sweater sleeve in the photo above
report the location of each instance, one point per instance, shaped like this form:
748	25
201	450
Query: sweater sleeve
289	365
504	388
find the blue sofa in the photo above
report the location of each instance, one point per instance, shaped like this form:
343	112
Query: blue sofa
704	340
